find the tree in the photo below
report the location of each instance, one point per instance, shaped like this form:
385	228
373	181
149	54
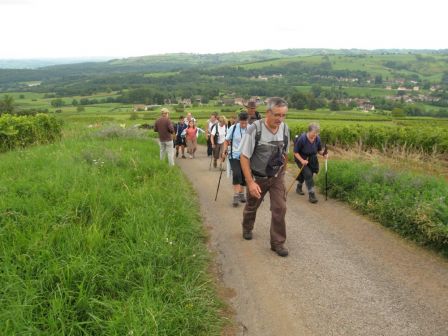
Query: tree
7	104
378	79
298	101
80	109
57	102
334	106
316	90
75	102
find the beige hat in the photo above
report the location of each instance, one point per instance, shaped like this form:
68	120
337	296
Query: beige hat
164	110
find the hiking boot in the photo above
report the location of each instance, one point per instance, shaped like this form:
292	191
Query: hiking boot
242	197
280	250
177	154
299	189
247	235
183	156
312	197
236	200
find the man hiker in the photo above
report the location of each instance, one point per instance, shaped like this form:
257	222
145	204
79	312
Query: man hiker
180	139
189	118
208	129
231	149
263	161
251	108
218	136
165	129
306	148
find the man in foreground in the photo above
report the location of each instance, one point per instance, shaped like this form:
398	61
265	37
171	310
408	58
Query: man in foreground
165	129
263	161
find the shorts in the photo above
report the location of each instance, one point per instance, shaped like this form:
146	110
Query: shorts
237	173
180	141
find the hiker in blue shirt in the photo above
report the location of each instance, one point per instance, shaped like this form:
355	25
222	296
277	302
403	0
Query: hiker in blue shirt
180	139
306	148
231	149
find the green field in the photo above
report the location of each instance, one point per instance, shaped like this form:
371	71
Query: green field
99	237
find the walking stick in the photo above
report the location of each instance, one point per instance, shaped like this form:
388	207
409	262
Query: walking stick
219	181
326	172
326	179
293	181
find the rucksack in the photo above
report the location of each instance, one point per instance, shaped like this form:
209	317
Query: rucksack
258	136
276	160
217	132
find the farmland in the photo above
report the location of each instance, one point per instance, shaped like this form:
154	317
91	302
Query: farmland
100	237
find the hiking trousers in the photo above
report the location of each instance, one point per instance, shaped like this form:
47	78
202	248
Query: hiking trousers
277	193
166	148
306	176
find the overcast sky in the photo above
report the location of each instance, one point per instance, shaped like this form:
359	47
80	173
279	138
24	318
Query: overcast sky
86	28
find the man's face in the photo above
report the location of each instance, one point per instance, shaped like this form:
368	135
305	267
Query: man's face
189	116
213	118
276	116
251	110
182	120
243	124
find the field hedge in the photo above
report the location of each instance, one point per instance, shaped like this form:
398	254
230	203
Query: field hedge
22	131
430	139
414	205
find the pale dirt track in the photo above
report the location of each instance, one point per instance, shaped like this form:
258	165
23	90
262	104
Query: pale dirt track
345	275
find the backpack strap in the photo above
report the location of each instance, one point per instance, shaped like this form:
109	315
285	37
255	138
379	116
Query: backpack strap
285	139
258	132
231	141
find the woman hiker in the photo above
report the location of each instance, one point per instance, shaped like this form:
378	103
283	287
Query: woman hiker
306	148
217	137
191	136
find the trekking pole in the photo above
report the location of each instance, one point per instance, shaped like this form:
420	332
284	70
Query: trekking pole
219	181
293	181
326	172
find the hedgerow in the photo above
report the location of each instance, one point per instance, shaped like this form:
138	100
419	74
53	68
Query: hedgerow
414	205
428	139
22	131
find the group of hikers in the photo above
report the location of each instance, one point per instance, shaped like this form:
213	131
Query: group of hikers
256	149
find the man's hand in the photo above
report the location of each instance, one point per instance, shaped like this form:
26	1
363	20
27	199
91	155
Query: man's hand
254	189
304	162
223	156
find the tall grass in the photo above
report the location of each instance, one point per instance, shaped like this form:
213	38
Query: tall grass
98	237
414	205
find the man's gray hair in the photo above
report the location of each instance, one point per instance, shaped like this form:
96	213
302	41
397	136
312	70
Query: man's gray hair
313	127
275	102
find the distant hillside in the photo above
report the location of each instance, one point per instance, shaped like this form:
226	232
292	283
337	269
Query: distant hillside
39	63
296	66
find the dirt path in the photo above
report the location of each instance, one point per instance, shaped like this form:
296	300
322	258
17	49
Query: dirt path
345	275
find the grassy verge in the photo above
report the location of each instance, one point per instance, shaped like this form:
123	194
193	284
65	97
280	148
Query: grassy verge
98	237
415	206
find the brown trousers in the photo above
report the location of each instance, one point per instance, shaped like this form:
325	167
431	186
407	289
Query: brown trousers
277	193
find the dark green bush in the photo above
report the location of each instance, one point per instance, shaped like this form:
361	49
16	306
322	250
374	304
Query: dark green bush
22	131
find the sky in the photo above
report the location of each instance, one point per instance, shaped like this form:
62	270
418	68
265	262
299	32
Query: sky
118	28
